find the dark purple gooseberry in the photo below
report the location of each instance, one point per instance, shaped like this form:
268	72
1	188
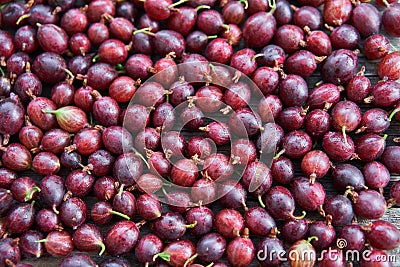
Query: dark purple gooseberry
270	138
390	158
204	218
6	201
259	29
283	13
117	139
55	140
294	230
12	112
233	195
203	191
337	12
271	56
127	168
137	66
219	50
369	204
62	94
376	46
282	170
80	44
243	152
102	213
302	63
148	246
390	19
164	117
5	86
120	28
29	245
259	221
47	220
42	14
257	179
121	238
370	147
159	164
184	173
73	212
318	43
16	157
10	251
293	91
179	253
341	210
209	98
271	243
74	21
296	144
211	22
199	146
127	10
335	258
18	63
135	118
21	218
88	238
44	121
100	76
173	144
267	80
148	207
346	116
102	162
211	247
12	12
354	236
384	94
317	123
115	261
340	66
345	175
197	41
52	191
358	88
218	132
122	89
383	235
106	110
58	243
113	52
77	258
71	161
365	17
243	61
98	33
218	166
324	232
52	38
125	203
7	45
345	37
324	96
30	136
149	183
84	99
234	11
337	148
79	183
97	8
310	195
50	67
269	108
307	16
192	118
289	37
291	118
86	141
240	251
229	222
7	177
104	188
280	203
24	189
315	164
163	229
376	175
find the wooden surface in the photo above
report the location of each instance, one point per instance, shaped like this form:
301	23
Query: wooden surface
391	215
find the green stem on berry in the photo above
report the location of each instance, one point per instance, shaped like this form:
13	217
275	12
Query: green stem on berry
245	2
95	58
163	255
103	248
212	37
261	201
202	7
190	260
177	3
393	113
272	5
144	160
113	212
